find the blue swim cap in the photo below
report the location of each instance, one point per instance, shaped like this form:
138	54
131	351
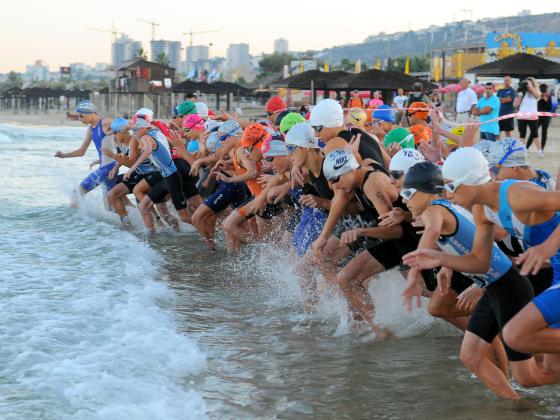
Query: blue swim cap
86	107
383	113
118	124
193	146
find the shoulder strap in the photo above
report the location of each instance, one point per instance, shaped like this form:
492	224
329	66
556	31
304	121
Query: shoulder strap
504	210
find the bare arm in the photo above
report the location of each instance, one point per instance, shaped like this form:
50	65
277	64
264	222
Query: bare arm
78	152
146	144
338	207
477	261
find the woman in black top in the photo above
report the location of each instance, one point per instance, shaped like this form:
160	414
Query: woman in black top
544	105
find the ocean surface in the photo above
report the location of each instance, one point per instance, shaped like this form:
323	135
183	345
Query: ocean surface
98	322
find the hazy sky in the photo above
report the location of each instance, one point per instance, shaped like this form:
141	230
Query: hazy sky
56	31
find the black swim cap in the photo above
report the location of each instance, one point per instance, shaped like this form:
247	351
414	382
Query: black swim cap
425	177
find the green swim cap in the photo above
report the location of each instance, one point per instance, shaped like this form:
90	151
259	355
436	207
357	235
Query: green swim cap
186	108
400	136
290	120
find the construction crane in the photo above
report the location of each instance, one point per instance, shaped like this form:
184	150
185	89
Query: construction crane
153	24
113	31
191	33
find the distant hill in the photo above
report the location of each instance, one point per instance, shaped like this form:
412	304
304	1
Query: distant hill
456	34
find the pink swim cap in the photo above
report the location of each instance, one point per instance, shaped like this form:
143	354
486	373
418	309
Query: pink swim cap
194	122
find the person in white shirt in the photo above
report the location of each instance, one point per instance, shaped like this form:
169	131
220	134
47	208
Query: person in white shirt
466	101
528	95
398	103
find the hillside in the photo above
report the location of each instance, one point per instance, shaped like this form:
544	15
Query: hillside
456	34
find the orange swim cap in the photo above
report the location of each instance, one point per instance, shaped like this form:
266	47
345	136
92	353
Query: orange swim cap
253	134
423	115
421	133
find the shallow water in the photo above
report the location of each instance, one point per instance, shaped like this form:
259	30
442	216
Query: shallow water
98	322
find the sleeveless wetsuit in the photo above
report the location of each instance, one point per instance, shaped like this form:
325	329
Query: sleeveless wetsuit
507	292
106	164
172	182
547	302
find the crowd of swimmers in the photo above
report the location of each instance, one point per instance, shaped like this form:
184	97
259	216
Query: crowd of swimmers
470	224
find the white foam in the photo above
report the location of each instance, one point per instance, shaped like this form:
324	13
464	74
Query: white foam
276	266
87	329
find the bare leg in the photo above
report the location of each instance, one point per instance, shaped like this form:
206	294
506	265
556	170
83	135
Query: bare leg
171	220
474	355
115	199
353	279
332	254
145	208
204	220
528	332
234	231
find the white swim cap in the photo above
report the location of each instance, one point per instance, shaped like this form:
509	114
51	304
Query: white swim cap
339	162
467	165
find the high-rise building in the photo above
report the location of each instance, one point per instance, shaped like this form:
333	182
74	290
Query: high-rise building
124	49
281	46
238	55
195	55
172	49
38	72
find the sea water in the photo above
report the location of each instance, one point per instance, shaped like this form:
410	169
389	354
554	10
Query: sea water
101	322
87	327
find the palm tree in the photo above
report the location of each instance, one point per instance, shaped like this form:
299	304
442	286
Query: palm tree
141	54
163	59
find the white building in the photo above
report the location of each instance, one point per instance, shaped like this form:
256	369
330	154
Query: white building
124	49
101	66
172	49
38	72
79	70
196	54
281	46
238	55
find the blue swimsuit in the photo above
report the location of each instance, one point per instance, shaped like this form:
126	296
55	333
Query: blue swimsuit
461	243
106	164
548	302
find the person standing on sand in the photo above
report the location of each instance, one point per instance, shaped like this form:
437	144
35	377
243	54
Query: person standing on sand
99	131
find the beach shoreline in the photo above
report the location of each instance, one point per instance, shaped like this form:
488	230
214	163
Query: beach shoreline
59	119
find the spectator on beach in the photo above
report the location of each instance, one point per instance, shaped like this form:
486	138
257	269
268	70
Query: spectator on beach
506	96
191	97
544	105
435	101
398	103
488	108
466	101
527	98
376	100
417	95
355	101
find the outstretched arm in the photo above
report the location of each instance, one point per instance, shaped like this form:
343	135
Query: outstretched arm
78	152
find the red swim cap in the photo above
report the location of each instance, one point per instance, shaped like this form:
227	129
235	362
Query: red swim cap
275	104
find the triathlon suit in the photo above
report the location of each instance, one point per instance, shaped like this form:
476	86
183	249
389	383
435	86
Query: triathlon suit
548	302
369	147
366	218
270	210
183	167
106	164
144	171
171	183
513	247
507	291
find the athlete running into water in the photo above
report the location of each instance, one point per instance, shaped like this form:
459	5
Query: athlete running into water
469	184
155	146
99	132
